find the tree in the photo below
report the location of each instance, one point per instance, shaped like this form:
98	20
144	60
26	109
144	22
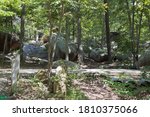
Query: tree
108	41
135	21
22	30
67	37
82	20
8	10
79	33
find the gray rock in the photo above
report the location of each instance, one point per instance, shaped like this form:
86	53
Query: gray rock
34	50
122	57
116	80
144	59
30	50
98	55
144	82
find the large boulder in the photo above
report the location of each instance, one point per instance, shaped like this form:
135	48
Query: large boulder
144	59
90	44
61	50
121	57
41	51
98	55
31	50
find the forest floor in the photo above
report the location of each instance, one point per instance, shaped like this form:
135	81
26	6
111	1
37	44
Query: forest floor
94	89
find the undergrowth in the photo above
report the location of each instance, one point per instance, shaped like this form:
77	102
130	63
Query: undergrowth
129	90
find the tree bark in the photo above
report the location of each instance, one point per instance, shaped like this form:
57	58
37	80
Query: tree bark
50	59
73	30
133	33
103	39
5	48
61	15
67	38
108	41
138	34
79	35
22	29
149	22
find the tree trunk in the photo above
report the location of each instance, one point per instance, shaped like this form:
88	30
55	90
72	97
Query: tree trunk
5	48
108	41
138	34
61	15
149	22
67	38
79	35
133	33
22	29
79	32
103	32
73	30
50	60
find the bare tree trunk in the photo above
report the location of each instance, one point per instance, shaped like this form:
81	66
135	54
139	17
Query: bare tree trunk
5	48
149	22
61	15
50	61
103	32
50	49
138	34
107	32
79	35
129	15
73	30
133	33
22	29
67	38
79	32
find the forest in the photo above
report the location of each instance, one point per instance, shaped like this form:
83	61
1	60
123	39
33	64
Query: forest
75	49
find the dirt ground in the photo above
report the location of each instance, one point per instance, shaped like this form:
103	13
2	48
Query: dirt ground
96	90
